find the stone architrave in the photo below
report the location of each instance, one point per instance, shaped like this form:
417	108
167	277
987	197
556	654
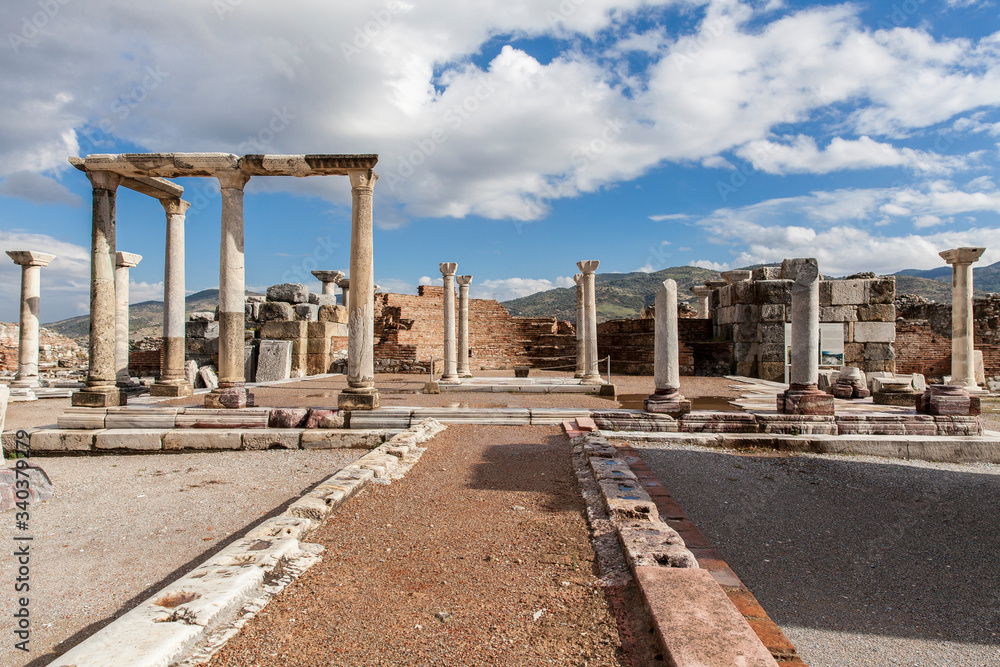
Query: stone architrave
591	374
962	358
123	262
31	264
703	293
173	379
361	393
463	326
232	391
581	325
329	280
450	352
101	391
666	356
803	396
345	291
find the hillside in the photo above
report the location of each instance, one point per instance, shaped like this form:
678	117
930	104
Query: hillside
619	295
915	281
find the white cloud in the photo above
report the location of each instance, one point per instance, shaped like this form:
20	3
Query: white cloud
38	189
669	216
65	282
923	221
717	162
514	288
139	292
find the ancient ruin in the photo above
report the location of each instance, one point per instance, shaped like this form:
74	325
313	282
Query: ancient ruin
31	264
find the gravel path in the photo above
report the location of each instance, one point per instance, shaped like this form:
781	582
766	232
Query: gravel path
861	562
479	556
122	527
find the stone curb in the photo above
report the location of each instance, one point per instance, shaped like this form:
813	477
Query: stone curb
240	579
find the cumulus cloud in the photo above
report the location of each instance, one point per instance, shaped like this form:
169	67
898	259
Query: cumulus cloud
38	189
65	282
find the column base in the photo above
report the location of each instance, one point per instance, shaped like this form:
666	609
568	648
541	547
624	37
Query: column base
19	394
668	401
229	398
172	390
592	379
450	379
98	397
948	400
806	400
29	383
348	400
465	375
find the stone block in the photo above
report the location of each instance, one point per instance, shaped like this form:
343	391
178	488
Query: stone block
612	469
772	312
284	330
825	292
203	439
654	543
137	417
274	360
797	424
208	378
874	332
287	417
136	439
52	440
743	292
901	398
747	312
745	333
854	353
272	438
324	330
323	299
773	371
878	312
771	352
249	362
771	333
848	292
202	346
827	377
201	329
306	312
919	383
332	314
276	311
321	418
288	293
773	291
341	439
201	316
879	352
190	371
317	364
829	314
206	418
882	290
766	273
317	346
628	501
85	418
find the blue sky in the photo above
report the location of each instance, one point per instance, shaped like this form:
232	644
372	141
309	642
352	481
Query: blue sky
515	138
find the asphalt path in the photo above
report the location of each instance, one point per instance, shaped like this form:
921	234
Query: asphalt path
861	561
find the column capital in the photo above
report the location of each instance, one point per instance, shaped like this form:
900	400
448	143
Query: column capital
577	277
363	179
104	180
962	255
736	276
328	276
588	266
232	179
127	259
463	280
30	257
344	283
175	206
802	270
448	268
701	290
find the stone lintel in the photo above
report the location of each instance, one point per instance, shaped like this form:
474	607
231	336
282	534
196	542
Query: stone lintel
701	290
30	257
736	276
127	259
715	284
308	165
157	188
177	165
962	255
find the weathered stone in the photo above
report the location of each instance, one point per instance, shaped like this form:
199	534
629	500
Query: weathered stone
203	439
878	312
874	332
191	371
274	360
320	418
323	299
208	377
276	311
879	352
772	312
201	316
773	291
250	362
201	329
838	313
882	290
288	293
272	438
341	439
138	439
287	417
848	292
284	330
332	314
50	440
306	312
654	543
204	418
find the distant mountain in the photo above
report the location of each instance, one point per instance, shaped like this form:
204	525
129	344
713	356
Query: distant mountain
619	295
915	281
145	318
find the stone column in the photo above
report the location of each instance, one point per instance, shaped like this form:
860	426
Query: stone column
463	326
803	397
123	262
666	356
329	280
361	393
703	293
591	375
962	361
581	325
231	392
31	264
172	380
345	291
450	355
101	391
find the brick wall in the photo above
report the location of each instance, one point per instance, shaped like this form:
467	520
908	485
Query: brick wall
630	345
923	337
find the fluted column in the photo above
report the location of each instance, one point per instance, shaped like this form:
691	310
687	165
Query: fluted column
123	262
172	381
450	354
581	326
231	392
666	355
101	391
329	280
463	326
963	368
361	393
31	264
703	293
591	374
345	292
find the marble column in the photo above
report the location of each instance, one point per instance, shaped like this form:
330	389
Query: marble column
31	264
101	391
123	262
345	292
450	354
463	326
361	393
591	374
703	293
232	391
963	368
803	397
329	280
172	381
581	326
666	355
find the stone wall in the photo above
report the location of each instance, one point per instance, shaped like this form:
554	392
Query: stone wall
630	345
923	335
54	350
